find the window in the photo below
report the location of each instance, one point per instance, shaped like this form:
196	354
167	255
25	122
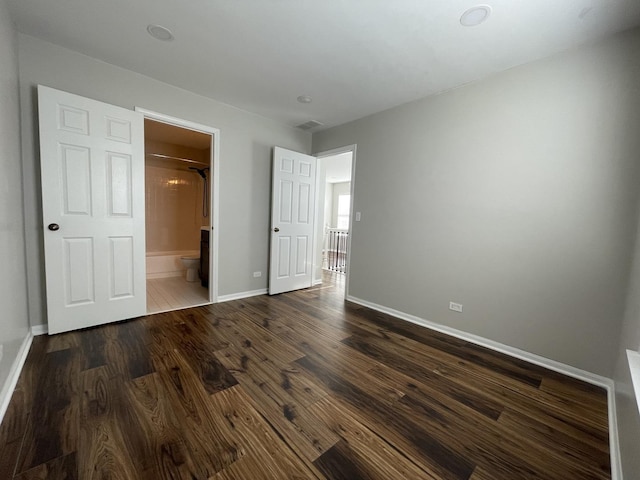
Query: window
344	204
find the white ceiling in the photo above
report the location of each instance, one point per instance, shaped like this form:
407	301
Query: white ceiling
354	57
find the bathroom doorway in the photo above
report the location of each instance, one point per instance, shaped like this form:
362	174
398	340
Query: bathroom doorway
180	218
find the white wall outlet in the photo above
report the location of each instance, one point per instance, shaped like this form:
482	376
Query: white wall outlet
358	216
1	348
456	307
257	274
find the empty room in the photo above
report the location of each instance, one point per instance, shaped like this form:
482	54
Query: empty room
303	240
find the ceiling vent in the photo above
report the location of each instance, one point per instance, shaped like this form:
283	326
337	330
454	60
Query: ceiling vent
309	125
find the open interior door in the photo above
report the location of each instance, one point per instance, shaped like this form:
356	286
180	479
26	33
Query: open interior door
92	164
292	221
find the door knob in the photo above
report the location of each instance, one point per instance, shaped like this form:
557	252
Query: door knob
276	229
53	227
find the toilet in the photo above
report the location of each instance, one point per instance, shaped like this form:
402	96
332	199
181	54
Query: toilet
191	264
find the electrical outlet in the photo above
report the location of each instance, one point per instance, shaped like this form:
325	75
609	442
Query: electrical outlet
358	216
257	274
456	307
1	347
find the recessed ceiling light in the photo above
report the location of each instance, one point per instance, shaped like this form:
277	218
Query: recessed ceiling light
475	15
304	99
159	32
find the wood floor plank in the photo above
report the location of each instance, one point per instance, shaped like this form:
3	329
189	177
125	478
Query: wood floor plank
410	378
16	419
576	391
52	428
197	351
256	435
60	468
505	453
9	457
161	447
135	340
63	341
481	474
341	463
375	456
278	314
92	343
578	448
299	385
302	389
101	446
307	438
414	367
213	440
564	436
447	364
401	431
509	366
235	330
351	363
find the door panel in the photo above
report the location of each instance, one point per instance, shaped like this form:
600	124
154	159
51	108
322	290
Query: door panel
92	165
301	255
286	201
78	270
292	216
284	254
76	180
121	268
119	184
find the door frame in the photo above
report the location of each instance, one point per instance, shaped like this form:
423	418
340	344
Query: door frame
320	189
214	203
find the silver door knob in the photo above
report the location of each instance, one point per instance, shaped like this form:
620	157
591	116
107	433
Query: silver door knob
53	227
276	229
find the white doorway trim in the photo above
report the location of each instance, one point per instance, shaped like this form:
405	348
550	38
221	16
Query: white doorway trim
214	204
318	244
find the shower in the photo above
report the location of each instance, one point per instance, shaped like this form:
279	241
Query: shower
203	173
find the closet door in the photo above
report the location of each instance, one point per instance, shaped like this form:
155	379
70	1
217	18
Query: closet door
92	165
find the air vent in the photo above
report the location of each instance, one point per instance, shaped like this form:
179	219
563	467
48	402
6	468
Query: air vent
309	125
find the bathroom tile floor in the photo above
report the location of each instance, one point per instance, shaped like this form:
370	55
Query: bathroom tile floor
174	292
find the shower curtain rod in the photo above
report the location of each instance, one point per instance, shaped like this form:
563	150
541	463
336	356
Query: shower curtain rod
159	155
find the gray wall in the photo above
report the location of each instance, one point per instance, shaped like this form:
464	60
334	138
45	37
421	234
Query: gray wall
245	157
515	196
14	320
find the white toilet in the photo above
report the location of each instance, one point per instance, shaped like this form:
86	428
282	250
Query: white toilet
191	264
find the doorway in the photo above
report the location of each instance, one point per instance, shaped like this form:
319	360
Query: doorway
336	171
180	213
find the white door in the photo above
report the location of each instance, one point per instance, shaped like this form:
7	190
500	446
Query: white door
92	165
292	215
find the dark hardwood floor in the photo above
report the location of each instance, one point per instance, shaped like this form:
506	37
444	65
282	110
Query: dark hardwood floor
295	386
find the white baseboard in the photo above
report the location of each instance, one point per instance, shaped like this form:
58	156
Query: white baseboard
599	380
614	441
39	330
14	374
240	295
